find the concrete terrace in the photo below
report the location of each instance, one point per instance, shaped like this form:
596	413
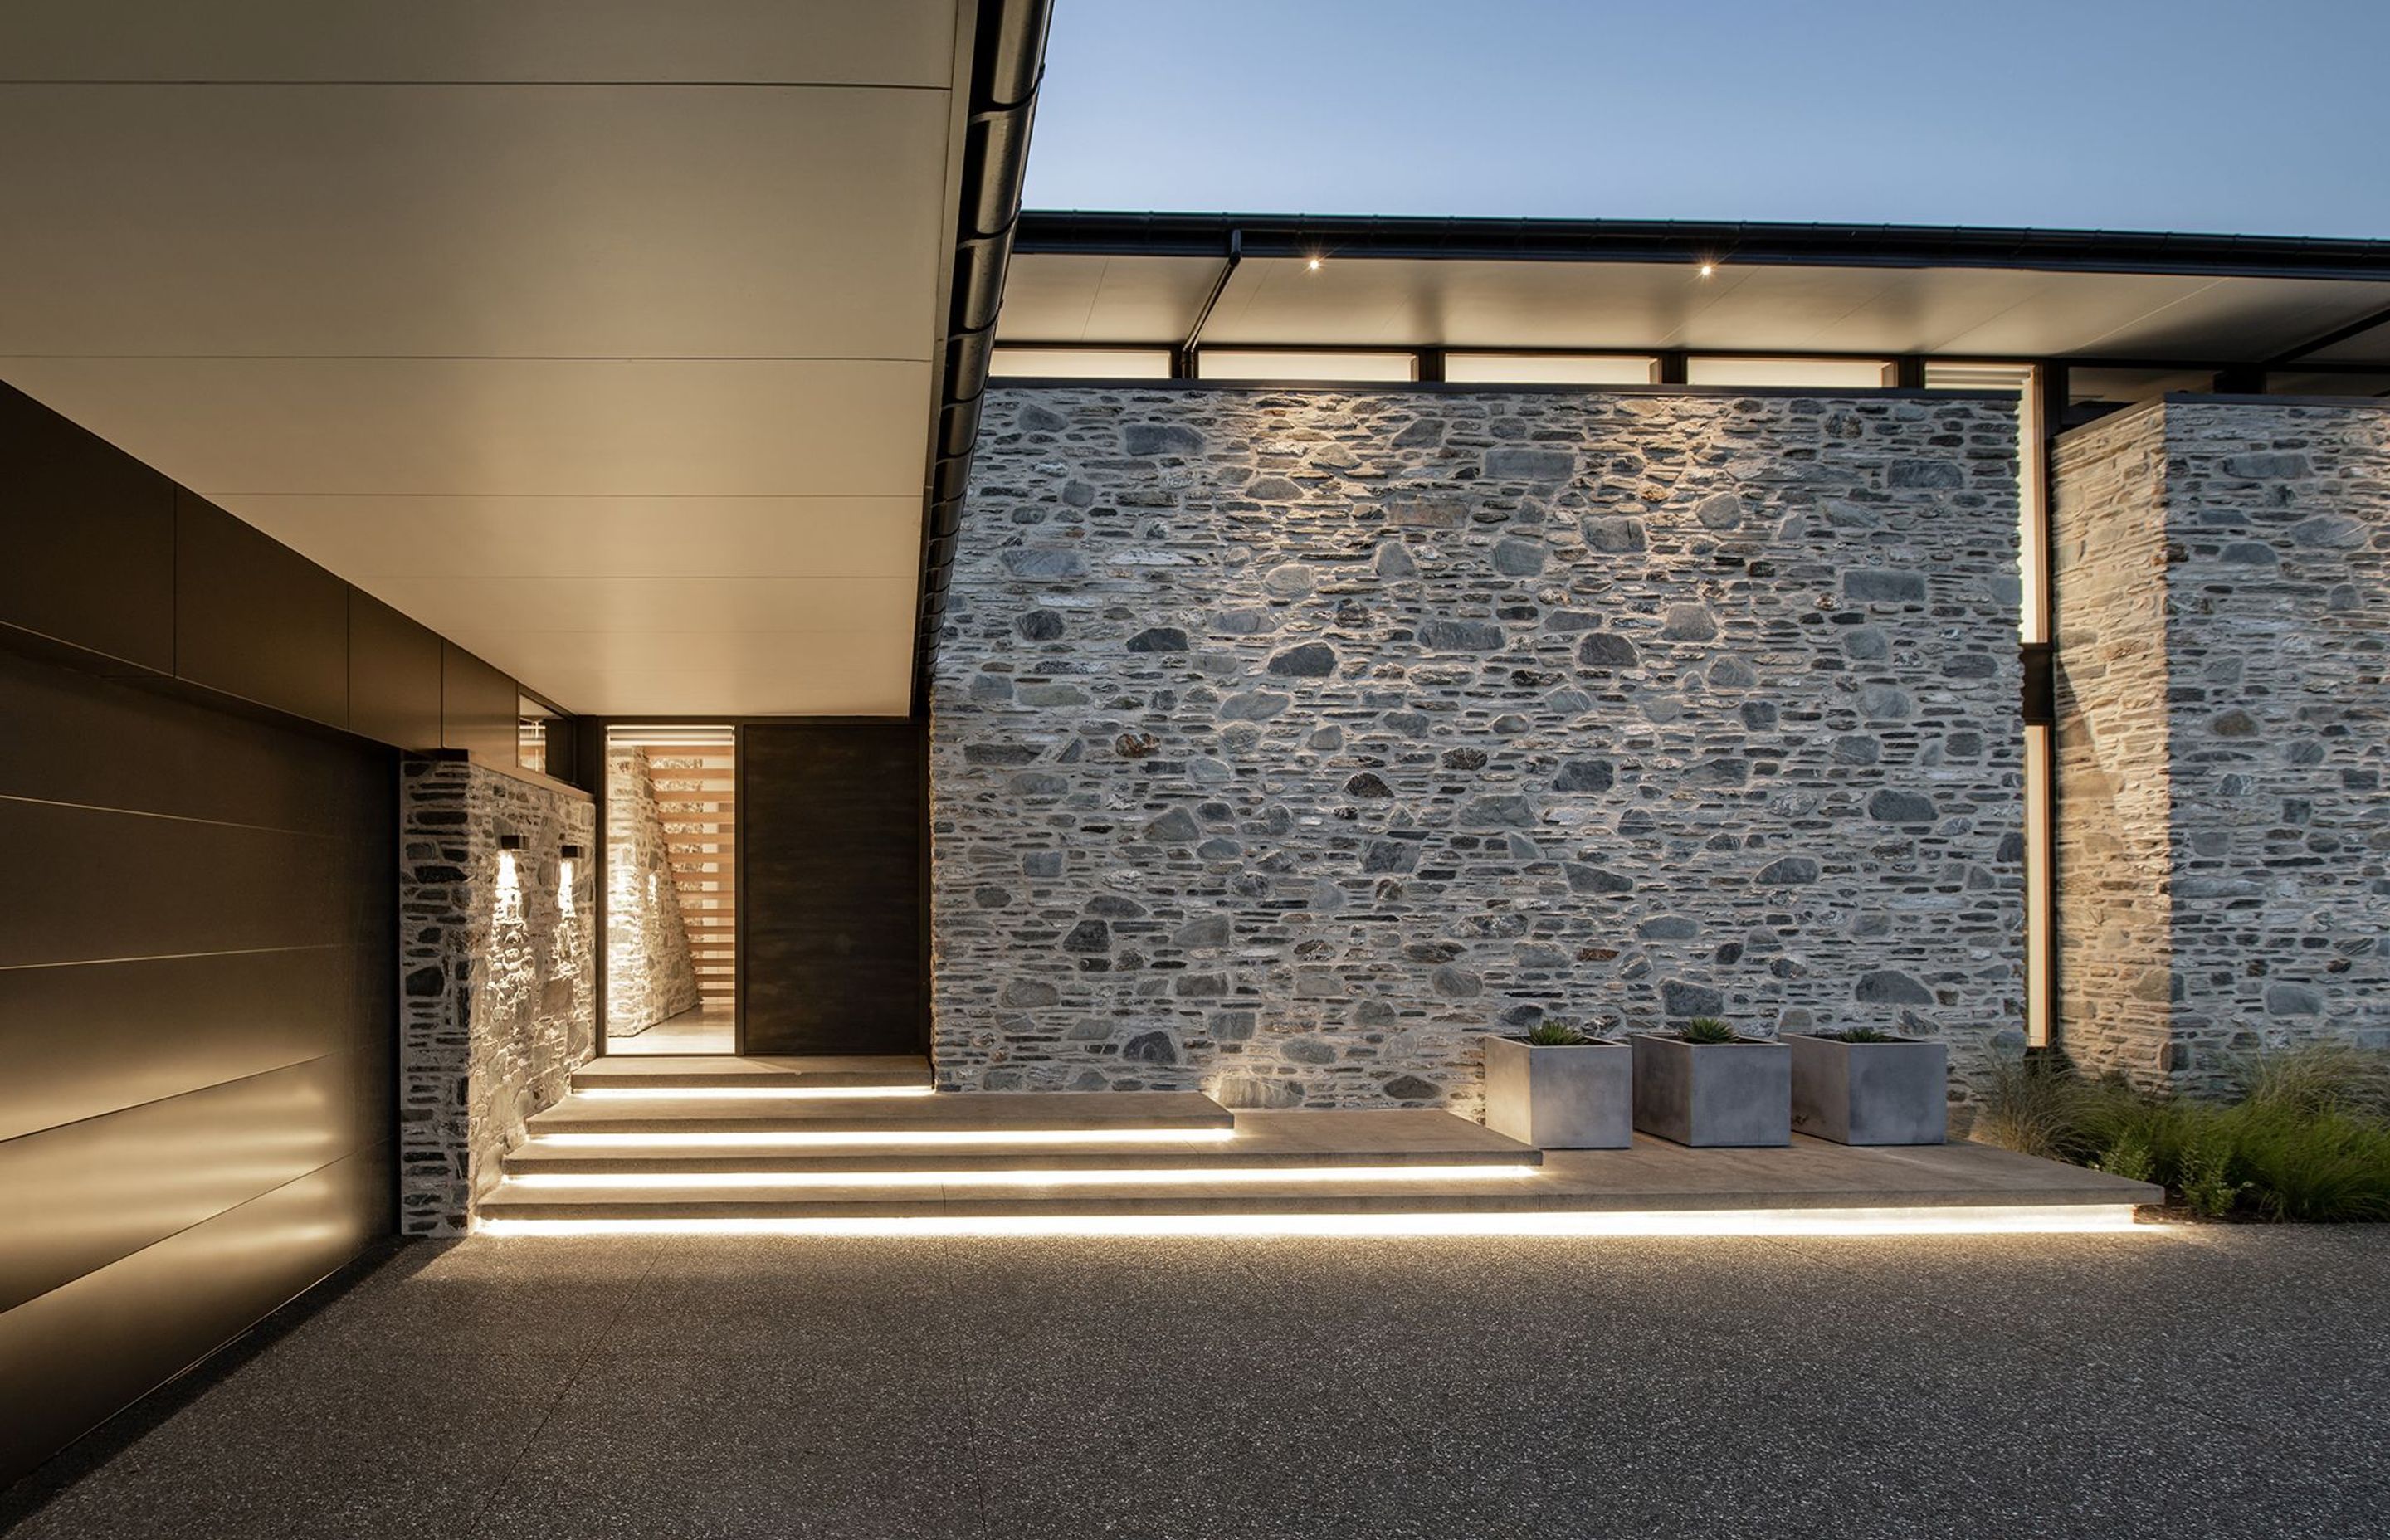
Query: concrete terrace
2176	1381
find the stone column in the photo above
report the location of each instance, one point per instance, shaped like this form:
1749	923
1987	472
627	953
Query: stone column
2223	598
496	955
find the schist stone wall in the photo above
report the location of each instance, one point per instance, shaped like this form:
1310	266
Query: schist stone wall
2223	597
496	961
1286	743
649	974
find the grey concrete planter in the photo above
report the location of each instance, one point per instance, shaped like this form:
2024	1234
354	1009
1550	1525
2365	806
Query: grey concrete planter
1871	1093
1714	1093
1572	1096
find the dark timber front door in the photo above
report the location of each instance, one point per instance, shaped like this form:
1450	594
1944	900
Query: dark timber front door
829	888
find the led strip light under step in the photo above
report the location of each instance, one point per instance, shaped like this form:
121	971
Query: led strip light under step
2070	1219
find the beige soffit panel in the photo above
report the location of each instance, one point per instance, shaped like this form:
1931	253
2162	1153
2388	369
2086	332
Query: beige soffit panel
503	426
611	652
2244	319
1396	303
1994	312
471	220
1082	299
453	604
875	43
369	537
770	674
2372	346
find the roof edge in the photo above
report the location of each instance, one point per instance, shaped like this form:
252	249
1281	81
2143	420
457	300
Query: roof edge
1093	233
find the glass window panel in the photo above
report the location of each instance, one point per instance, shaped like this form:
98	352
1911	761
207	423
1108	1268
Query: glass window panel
1291	366
1080	364
1531	368
1867	374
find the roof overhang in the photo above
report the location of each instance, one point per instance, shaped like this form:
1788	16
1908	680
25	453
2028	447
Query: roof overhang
609	339
1613	285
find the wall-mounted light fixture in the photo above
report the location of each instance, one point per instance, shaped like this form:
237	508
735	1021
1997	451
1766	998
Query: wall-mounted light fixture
511	842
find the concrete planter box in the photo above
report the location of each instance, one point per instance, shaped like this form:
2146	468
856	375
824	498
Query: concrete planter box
1714	1093
1871	1093
1568	1096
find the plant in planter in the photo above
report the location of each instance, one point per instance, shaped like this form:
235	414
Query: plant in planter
1706	1083
1558	1089
1861	1086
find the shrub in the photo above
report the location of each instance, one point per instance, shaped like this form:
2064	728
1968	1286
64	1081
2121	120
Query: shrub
2321	1166
2035	1106
2131	1158
1860	1034
2308	1140
1708	1029
1556	1035
2317	1078
2206	1174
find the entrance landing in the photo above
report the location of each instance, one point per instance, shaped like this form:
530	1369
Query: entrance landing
830	1144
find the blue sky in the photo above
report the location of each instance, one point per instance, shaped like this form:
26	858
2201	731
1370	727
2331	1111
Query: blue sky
2246	116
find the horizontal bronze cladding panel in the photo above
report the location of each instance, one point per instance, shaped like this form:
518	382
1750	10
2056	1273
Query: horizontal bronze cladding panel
255	619
74	739
89	884
829	876
86	539
478	706
74	1199
394	675
71	1357
81	1039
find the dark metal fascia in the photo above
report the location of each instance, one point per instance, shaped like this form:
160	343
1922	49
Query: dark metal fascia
1007	63
1688	240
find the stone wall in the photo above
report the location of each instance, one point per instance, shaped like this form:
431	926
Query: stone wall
1285	742
2225	869
649	974
498	983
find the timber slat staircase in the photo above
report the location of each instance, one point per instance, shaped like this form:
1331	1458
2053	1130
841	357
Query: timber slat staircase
694	775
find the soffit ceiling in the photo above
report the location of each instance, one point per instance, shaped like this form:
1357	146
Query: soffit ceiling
1395	301
596	335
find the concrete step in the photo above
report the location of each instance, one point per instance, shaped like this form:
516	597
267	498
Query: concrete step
732	1071
889	1118
1348	1140
1256	1192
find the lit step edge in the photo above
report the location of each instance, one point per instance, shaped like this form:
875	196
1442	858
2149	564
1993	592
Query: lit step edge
674	1186
1413	1220
536	1158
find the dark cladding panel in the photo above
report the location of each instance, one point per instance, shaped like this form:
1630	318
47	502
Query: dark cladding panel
394	667
85	1041
255	619
477	706
86	539
75	1355
82	1195
197	1017
195	763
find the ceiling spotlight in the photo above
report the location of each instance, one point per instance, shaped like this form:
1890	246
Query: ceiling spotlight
1312	266
1708	268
